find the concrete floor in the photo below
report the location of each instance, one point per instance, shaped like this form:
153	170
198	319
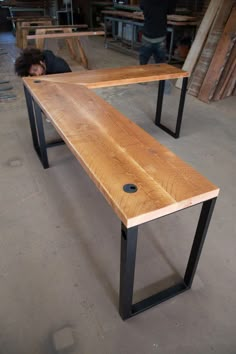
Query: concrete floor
60	241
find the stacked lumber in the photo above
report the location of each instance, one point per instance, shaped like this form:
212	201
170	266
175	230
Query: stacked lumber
212	58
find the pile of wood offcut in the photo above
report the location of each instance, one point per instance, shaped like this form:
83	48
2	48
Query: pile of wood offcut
212	58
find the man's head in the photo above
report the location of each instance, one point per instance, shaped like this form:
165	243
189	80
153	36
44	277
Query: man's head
30	63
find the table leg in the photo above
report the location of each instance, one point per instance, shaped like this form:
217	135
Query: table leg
18	29
39	42
30	109
70	43
175	133
83	56
41	137
200	235
25	32
171	43
127	266
159	102
37	131
181	106
105	30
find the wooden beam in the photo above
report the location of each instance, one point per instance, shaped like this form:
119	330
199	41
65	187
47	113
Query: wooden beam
224	47
226	75
228	91
200	38
208	51
67	35
56	27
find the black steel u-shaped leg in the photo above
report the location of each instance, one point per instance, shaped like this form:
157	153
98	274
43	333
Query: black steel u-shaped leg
175	133
37	129
127	266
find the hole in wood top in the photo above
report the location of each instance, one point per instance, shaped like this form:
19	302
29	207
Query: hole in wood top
130	188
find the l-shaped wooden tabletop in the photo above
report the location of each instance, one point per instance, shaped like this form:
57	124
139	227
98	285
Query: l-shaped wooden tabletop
114	152
119	76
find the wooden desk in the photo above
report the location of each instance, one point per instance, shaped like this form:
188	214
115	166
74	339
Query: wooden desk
141	179
130	75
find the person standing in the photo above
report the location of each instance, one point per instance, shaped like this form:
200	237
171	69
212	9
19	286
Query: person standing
155	29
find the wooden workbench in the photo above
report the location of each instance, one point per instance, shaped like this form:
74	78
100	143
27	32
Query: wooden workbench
136	20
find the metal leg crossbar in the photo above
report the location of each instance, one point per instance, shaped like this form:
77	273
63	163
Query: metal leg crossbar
127	266
176	133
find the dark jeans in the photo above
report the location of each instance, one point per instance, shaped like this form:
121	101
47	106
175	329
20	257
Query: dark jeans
158	50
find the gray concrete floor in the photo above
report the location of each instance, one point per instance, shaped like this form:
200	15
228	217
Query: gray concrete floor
60	241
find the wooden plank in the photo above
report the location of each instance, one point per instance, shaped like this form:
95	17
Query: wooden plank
22	40
224	46
114	151
69	41
179	24
177	20
71	44
56	27
228	91
83	57
208	51
200	38
118	76
29	18
181	18
234	91
226	75
39	42
124	14
67	35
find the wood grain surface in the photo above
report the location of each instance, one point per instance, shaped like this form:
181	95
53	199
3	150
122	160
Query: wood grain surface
209	47
119	76
56	27
223	49
67	35
200	38
176	19
114	151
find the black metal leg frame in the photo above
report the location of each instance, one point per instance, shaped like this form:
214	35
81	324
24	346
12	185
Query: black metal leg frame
37	130
176	133
127	266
